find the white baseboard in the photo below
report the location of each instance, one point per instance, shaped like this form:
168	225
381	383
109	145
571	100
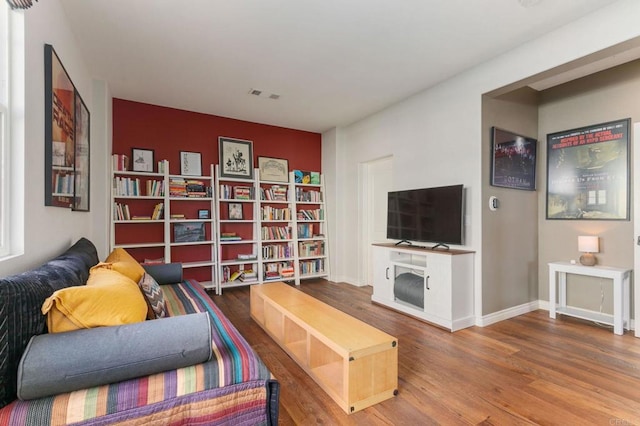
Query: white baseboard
508	313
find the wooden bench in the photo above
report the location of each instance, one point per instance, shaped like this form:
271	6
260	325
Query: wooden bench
356	364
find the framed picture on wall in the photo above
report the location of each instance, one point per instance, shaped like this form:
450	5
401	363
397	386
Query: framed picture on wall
513	160
588	172
142	159
236	158
67	140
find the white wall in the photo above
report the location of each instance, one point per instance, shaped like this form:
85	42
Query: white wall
435	136
50	230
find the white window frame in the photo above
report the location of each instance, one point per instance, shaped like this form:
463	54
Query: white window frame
5	172
12	138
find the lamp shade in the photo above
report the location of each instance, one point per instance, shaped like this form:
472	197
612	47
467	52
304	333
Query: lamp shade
588	244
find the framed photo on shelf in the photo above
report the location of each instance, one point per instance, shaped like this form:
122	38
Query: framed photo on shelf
235	211
588	172
142	160
203	214
236	158
190	163
188	232
513	160
273	169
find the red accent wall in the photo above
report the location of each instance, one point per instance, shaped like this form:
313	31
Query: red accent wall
168	131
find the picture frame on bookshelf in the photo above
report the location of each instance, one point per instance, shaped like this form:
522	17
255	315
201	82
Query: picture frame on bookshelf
190	163
203	214
235	211
236	158
188	232
273	169
142	159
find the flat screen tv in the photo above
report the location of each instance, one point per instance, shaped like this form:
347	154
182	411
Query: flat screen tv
434	215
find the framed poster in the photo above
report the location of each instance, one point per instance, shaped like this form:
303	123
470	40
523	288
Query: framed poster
190	163
60	132
273	169
142	160
588	172
236	158
513	160
81	163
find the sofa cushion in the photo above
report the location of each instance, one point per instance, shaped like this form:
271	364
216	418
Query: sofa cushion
120	260
21	298
108	299
152	292
64	362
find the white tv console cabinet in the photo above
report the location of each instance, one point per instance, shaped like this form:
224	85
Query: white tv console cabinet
446	278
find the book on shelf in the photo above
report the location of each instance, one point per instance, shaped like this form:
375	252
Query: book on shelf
135	217
249	256
121	211
157	211
301	176
177	216
315	178
120	162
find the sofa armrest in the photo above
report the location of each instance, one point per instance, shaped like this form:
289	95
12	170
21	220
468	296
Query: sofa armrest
165	273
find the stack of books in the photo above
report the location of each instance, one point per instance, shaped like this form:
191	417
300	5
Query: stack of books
229	236
242	193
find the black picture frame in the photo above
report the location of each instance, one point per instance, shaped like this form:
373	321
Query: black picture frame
203	214
142	159
588	172
67	138
513	160
235	211
236	158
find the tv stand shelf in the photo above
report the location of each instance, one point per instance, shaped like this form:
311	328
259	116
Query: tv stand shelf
447	282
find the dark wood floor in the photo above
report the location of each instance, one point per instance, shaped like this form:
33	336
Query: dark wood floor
526	370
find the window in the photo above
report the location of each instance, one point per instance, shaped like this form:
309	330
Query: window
12	94
5	238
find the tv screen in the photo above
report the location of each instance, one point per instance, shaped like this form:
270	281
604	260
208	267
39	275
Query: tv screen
427	215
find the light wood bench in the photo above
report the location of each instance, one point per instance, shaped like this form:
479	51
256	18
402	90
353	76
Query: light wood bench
355	363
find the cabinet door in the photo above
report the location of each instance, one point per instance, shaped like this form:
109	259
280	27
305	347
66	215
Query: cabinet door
382	273
437	296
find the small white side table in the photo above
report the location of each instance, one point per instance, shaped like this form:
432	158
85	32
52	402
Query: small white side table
621	304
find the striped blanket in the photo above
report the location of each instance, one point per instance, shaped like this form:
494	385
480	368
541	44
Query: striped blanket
234	387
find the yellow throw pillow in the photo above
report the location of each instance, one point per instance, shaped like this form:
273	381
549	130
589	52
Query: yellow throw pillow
120	260
109	298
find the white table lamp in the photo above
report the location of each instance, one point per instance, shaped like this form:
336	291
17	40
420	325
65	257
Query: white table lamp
588	245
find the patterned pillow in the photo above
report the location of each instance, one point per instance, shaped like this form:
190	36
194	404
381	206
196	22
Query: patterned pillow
154	296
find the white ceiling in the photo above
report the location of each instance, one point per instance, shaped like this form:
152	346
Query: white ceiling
331	61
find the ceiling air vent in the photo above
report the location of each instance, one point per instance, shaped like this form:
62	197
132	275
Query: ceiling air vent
262	94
